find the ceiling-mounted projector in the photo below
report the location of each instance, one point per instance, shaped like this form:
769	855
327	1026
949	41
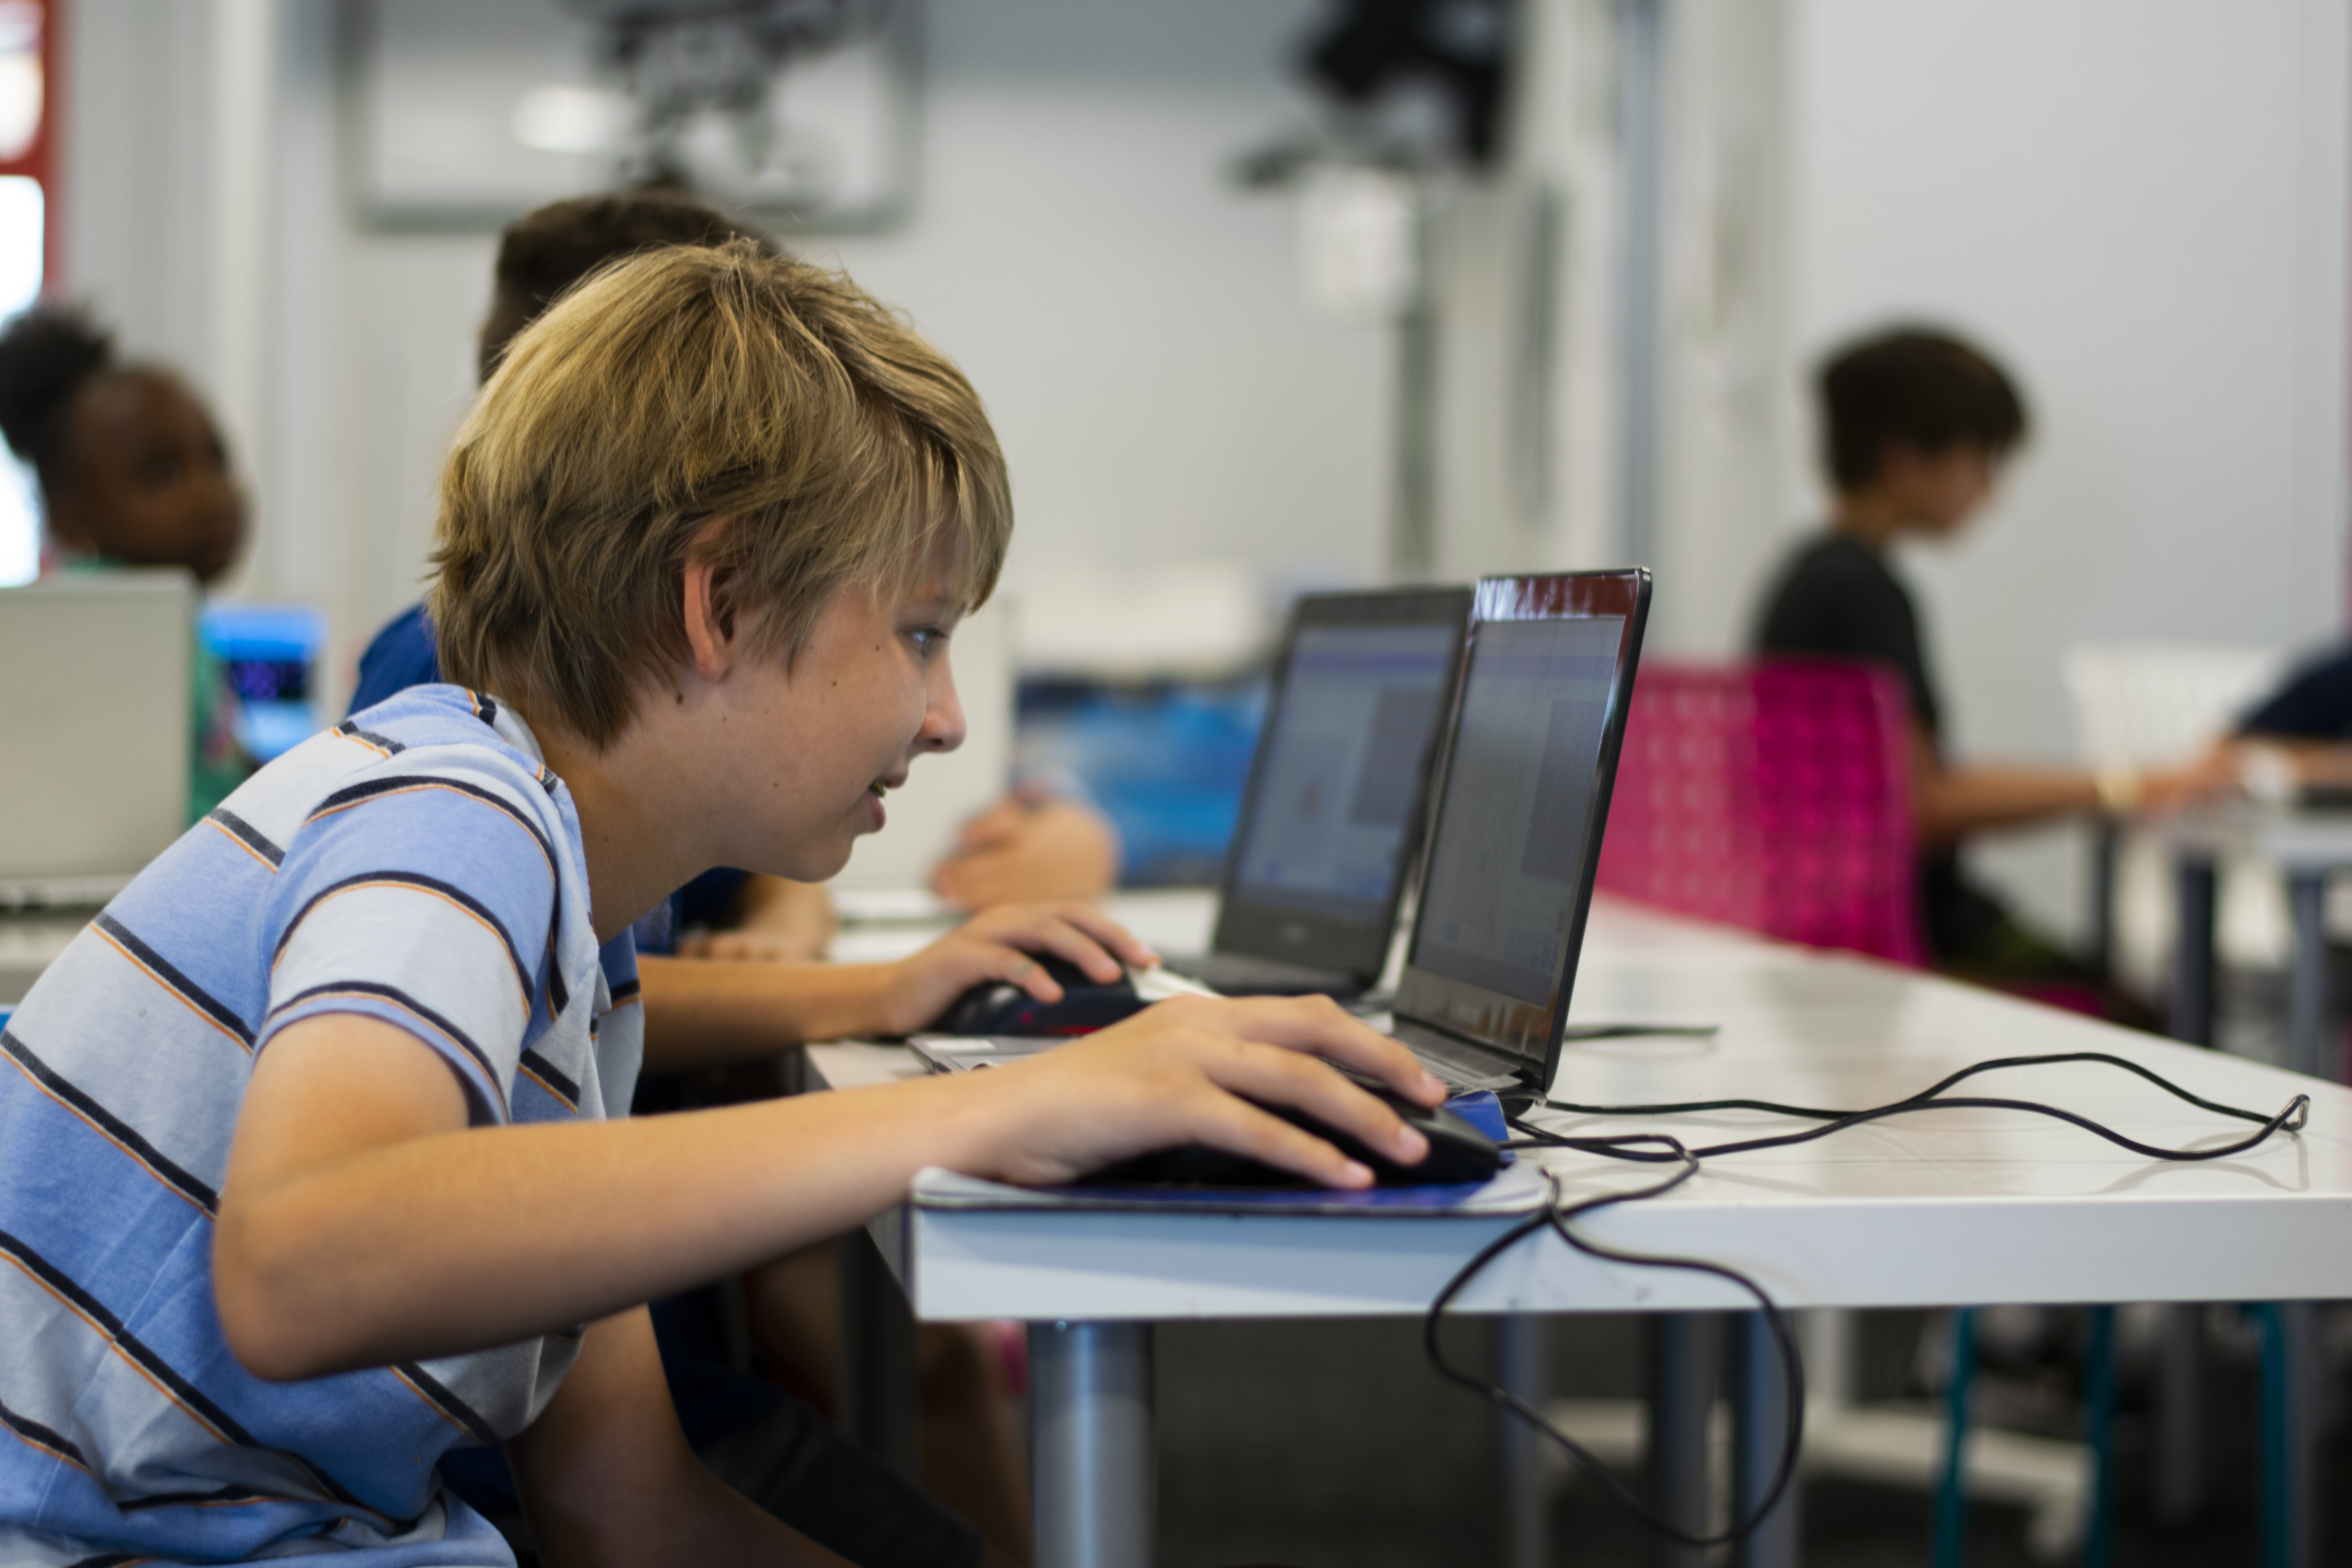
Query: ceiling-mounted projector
696	91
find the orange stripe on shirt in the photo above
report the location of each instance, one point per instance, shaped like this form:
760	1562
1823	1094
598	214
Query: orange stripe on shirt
169	989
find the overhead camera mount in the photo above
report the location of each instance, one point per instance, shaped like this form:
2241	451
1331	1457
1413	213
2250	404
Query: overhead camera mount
683	59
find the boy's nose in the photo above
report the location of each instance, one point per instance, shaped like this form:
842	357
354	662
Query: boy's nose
943	725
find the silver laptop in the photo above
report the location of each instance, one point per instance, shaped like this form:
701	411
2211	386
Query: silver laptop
95	709
1330	822
1522	800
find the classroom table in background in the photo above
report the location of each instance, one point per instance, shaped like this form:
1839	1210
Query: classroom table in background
1946	1209
2310	846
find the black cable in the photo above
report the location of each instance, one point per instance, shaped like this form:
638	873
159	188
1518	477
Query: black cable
2102	1057
1554	1216
1660	1148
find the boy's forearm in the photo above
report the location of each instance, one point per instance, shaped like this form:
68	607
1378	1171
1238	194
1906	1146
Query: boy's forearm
701	1013
417	1246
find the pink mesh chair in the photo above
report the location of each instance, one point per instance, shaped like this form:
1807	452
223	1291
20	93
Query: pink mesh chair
1775	797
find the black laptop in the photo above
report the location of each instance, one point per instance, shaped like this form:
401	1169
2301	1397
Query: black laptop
1330	822
1515	845
1508	873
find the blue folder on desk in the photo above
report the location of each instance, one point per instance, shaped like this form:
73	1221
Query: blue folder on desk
1517	1188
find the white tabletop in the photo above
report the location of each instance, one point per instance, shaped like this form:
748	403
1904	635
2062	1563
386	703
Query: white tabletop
2296	837
1938	1208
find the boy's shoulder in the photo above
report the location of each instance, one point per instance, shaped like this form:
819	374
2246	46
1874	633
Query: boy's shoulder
1834	557
424	745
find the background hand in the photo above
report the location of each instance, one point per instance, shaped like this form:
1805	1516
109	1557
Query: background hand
1020	851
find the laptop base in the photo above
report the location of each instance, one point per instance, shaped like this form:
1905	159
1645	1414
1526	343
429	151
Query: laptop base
1245	974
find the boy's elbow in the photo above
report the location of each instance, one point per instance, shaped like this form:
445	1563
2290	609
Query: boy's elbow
272	1335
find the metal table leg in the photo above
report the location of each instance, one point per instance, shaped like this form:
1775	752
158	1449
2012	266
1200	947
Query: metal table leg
2180	1417
1760	1397
2290	1435
1095	1474
1526	1502
874	1394
1684	1351
2192	970
2106	843
2099	1433
2307	1005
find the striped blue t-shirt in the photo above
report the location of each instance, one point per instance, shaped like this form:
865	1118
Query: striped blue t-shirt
419	865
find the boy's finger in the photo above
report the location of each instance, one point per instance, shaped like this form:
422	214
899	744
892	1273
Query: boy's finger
1274	1077
1106	931
1240	1127
1320	1026
1029	974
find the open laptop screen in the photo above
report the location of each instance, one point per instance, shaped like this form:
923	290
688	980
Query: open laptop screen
1343	768
1332	820
1510	849
1516	842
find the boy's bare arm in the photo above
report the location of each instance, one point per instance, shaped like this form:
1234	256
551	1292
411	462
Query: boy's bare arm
702	1013
1950	801
606	1478
362	1222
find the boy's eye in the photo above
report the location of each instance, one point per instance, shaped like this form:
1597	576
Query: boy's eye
928	640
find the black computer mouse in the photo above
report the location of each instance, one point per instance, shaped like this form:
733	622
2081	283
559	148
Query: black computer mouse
1001	1007
1458	1152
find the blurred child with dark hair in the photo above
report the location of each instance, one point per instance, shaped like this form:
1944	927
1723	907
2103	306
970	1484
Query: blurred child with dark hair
1916	427
133	472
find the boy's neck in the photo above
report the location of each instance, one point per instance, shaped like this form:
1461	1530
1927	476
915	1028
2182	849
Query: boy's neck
631	828
1870	517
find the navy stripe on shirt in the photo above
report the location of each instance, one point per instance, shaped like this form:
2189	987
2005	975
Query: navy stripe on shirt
245	833
184	1394
418	879
383	744
40	1437
438	1394
558	1083
110	1126
154	962
398	998
559	995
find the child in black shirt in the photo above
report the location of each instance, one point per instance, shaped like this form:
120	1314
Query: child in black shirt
1917	426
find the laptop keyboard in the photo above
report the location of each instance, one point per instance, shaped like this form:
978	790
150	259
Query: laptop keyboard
1462	1067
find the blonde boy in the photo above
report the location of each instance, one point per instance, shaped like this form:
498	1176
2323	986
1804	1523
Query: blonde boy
306	1167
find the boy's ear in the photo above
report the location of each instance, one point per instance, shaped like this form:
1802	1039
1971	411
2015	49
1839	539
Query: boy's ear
709	628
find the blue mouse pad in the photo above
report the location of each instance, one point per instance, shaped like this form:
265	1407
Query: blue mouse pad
1509	1191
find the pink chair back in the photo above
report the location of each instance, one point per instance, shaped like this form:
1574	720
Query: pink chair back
1775	797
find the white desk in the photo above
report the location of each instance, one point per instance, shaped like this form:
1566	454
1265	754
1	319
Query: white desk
1943	1209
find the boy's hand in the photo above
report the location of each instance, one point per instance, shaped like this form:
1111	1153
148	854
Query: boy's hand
1175	1073
998	945
1024	850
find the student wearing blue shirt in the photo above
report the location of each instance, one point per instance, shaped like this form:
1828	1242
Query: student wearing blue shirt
310	1164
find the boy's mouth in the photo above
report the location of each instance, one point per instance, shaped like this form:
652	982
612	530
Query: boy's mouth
878	789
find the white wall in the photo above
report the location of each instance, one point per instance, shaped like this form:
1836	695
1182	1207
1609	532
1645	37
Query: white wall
1134	322
2139	206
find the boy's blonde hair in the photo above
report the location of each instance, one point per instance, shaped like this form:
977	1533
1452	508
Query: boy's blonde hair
723	405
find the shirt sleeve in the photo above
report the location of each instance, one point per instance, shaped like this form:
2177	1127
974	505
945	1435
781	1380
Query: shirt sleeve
430	903
2316	704
1839	603
402	654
